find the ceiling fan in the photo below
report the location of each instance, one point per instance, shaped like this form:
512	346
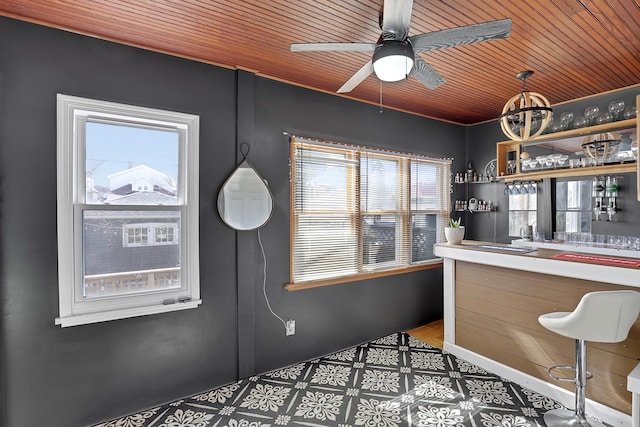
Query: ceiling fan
395	54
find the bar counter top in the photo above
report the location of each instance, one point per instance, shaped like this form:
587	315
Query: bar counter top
603	268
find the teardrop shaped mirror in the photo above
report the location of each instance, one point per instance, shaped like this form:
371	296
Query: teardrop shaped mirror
245	201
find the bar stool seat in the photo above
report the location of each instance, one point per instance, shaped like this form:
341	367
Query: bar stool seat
606	317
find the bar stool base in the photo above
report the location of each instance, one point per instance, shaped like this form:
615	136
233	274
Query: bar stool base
564	417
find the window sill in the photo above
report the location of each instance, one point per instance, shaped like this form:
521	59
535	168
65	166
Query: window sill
347	279
85	319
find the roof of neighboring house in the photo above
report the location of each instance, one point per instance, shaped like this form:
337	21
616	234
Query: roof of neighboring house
144	198
140	168
141	172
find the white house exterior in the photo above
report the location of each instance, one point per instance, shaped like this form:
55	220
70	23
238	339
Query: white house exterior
142	178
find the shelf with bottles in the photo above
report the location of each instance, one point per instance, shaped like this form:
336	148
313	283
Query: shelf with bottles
471	176
476	210
460	178
604	191
476	182
474	205
607	148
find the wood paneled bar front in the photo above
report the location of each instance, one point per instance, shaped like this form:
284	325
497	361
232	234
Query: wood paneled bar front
493	295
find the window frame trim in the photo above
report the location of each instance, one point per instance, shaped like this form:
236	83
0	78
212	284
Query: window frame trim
363	275
72	111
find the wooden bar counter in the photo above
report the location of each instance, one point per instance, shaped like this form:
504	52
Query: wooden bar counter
493	295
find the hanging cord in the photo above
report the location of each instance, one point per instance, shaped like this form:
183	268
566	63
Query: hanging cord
524	84
264	281
244	149
380	96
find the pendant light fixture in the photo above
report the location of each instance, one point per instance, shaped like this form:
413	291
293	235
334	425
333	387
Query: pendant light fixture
527	114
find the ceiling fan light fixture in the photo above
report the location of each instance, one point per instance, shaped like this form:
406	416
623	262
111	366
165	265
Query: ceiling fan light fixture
393	60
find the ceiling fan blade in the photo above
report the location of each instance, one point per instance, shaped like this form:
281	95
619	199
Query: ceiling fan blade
426	74
396	18
357	78
337	47
461	35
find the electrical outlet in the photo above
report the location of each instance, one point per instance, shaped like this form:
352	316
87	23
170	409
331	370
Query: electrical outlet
291	327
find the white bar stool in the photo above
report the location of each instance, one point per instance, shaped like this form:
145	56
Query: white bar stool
605	317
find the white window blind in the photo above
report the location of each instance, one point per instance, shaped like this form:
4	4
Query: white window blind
357	211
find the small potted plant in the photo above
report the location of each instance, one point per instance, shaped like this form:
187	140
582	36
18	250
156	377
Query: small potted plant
455	232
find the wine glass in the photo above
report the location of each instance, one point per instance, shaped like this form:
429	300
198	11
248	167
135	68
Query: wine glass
535	124
604	118
616	107
566	118
580	122
591	113
549	161
556	127
555	158
631	112
550	125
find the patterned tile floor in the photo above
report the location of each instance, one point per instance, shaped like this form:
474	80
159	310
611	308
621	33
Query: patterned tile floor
393	381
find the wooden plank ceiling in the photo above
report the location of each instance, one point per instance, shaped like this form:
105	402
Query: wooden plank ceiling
576	47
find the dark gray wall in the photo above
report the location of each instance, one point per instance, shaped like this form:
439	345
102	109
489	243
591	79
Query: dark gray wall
494	226
482	141
75	376
331	318
85	374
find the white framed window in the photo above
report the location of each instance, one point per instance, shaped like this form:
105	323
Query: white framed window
127	211
135	235
357	211
165	234
149	234
573	206
523	210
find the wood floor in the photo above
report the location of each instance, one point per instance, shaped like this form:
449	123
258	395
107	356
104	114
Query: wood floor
431	333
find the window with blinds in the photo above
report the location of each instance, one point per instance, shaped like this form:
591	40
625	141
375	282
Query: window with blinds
357	211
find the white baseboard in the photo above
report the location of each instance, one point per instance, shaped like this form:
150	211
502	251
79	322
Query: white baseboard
595	409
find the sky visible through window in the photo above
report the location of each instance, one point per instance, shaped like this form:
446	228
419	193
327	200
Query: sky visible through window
112	148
